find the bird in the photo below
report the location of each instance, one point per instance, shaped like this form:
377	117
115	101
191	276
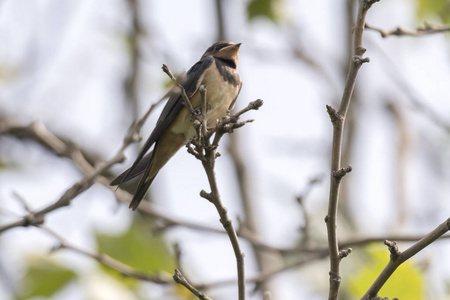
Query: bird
217	72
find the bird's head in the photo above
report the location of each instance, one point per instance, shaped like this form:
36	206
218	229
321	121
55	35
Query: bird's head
224	50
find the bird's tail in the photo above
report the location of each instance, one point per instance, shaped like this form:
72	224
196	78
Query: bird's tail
144	166
141	190
166	146
138	170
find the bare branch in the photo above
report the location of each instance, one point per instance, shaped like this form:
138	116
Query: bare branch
38	132
180	279
42	135
177	82
314	254
425	30
37	217
398	257
266	275
338	121
355	242
206	152
134	36
306	238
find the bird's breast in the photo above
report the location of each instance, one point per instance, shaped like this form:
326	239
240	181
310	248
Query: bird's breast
220	92
220	95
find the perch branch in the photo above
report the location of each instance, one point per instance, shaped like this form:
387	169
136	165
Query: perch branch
206	152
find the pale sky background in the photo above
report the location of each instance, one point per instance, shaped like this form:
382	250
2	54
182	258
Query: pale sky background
69	59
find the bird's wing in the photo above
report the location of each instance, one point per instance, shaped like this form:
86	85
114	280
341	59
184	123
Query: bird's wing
234	100
191	84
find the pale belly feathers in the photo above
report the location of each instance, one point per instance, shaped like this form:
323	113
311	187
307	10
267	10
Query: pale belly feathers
219	95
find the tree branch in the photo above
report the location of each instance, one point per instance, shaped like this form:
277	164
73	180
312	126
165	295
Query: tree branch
398	257
427	29
180	279
206	152
177	81
46	138
338	121
37	217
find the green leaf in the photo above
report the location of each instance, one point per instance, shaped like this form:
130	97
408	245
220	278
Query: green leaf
264	8
407	282
44	277
436	8
138	248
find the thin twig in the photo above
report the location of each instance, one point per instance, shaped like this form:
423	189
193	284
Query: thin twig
398	257
268	274
301	201
37	217
427	29
180	279
69	150
337	172
177	81
313	254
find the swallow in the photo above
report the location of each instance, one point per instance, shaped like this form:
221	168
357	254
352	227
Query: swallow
217	71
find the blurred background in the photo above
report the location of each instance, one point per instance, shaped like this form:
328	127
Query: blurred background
87	69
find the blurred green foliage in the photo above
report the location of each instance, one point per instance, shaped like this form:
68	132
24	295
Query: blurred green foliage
44	277
138	248
269	9
429	8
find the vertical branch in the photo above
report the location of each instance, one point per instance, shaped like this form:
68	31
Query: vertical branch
208	161
205	151
131	82
351	119
214	197
337	173
220	21
241	169
402	150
